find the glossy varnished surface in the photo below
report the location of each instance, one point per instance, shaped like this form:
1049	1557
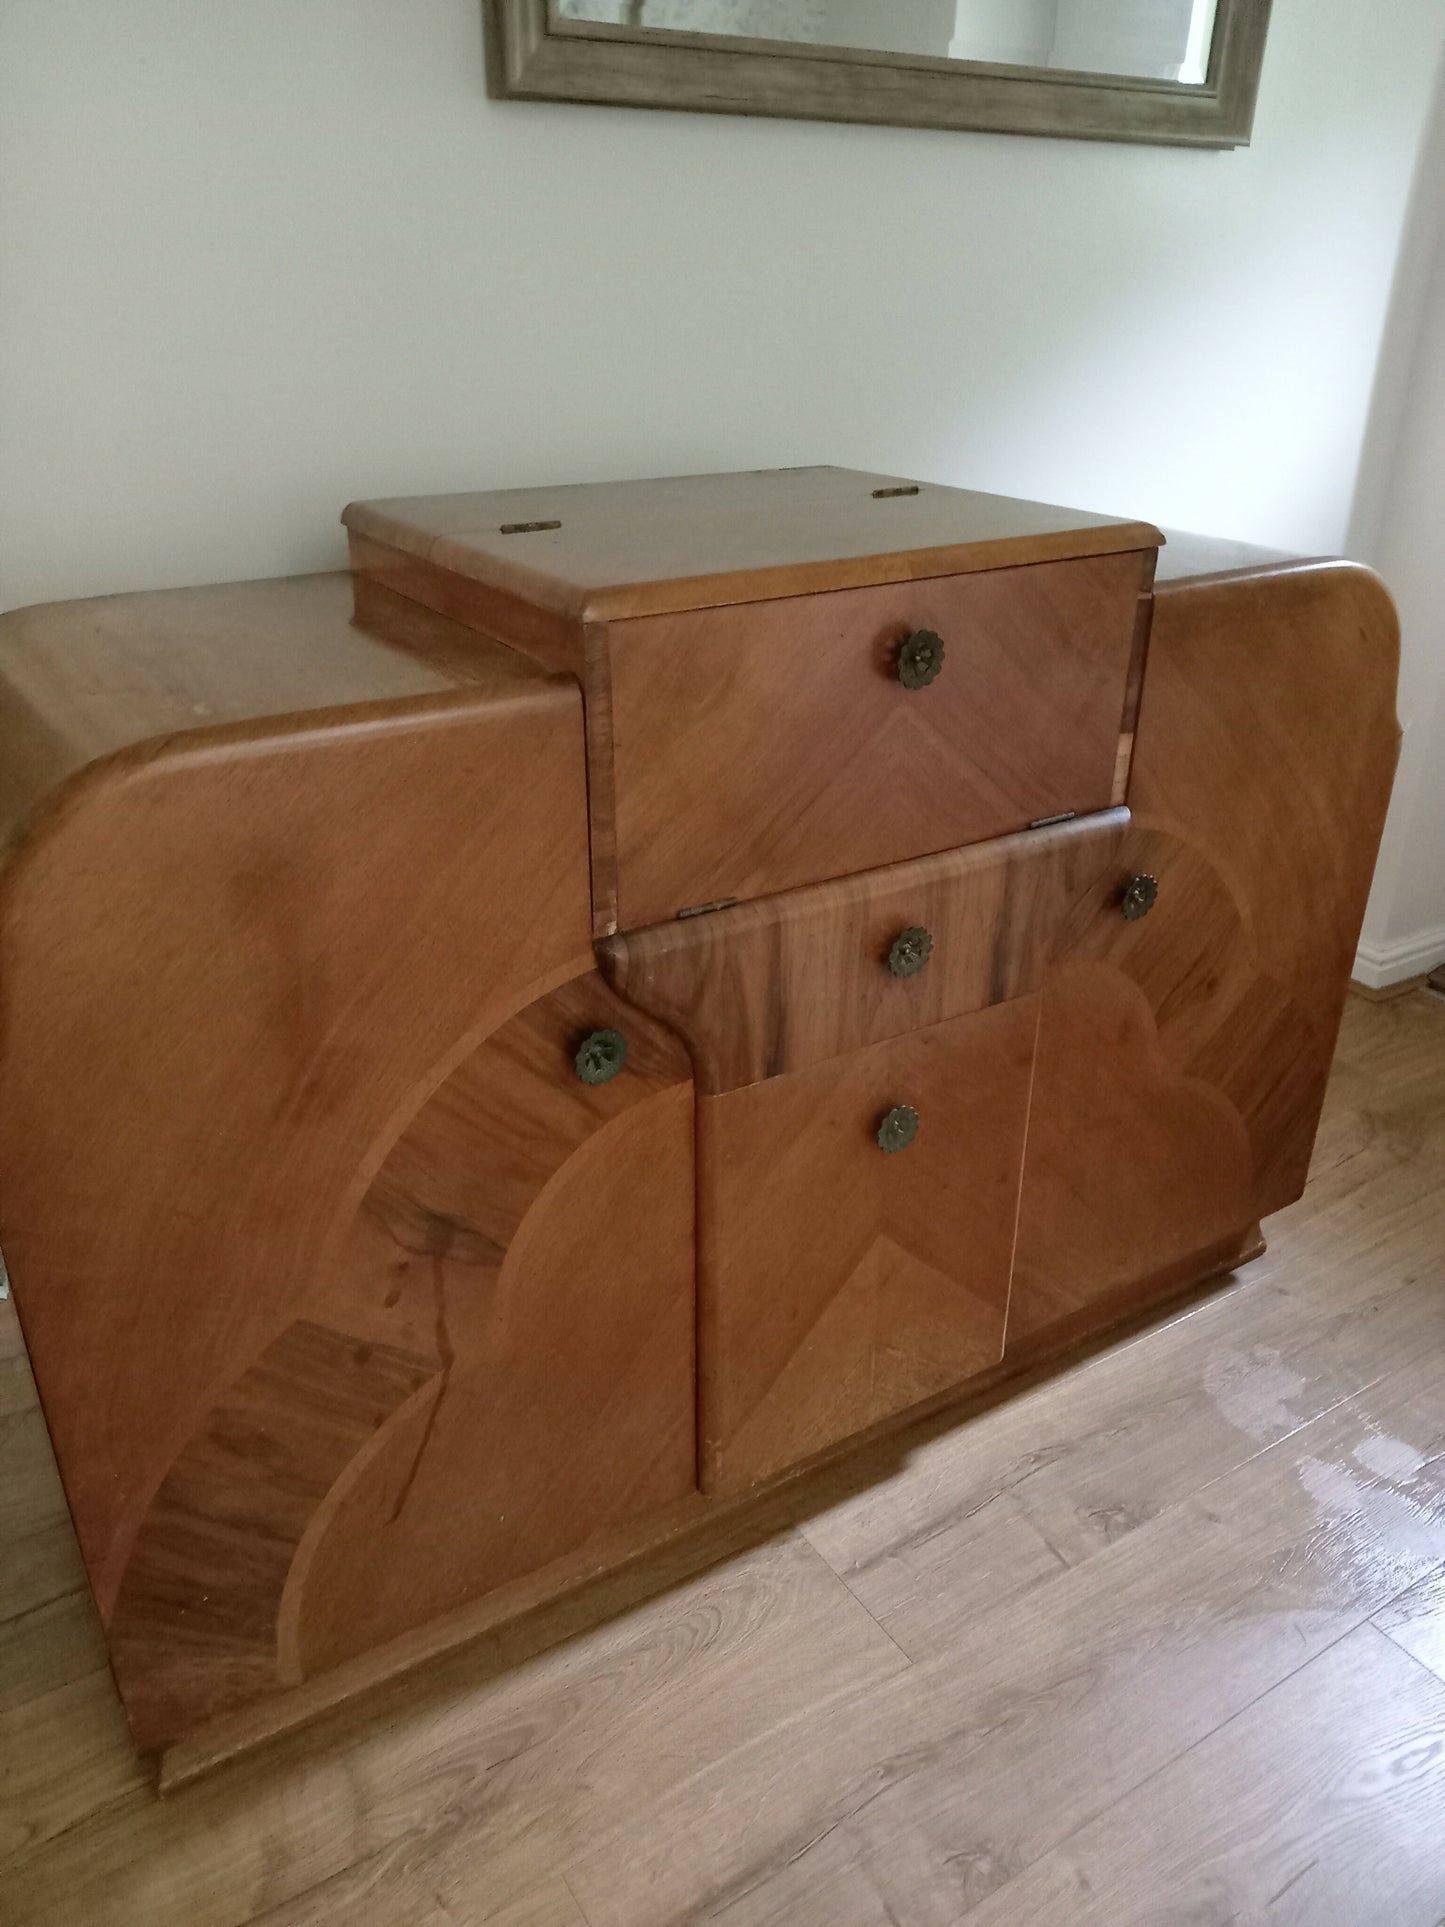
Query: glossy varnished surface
700	541
761	748
85	680
235	972
759	989
839	1283
1164	1625
495	1370
1183	1057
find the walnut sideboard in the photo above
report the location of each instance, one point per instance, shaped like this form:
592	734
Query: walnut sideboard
514	1050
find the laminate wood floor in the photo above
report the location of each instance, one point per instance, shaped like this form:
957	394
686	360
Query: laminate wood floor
1160	1639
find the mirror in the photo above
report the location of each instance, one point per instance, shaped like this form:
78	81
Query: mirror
1179	71
1152	39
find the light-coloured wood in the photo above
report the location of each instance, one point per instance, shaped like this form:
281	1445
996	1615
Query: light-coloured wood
928	1795
627	549
540	1230
1416	1622
1133	1176
1186	554
1183	1057
1220	1017
361	1327
535	55
1268	741
744	1742
758	989
380	572
41	1562
80	681
839	1283
1387	992
1321	1802
233	971
758	748
735	636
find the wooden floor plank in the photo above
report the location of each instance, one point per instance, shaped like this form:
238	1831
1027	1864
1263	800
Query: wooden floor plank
449	1903
53	1645
598	1726
40	1560
17	1387
1416	1622
1030	1721
66	1754
1322	1805
12	1345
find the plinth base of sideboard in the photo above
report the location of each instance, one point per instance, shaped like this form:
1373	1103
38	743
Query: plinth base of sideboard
572	1596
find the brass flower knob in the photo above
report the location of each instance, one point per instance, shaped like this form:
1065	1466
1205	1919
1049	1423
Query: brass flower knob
600	1056
1138	897
920	657
898	1129
911	950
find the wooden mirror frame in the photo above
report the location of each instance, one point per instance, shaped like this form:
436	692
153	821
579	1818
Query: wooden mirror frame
534	55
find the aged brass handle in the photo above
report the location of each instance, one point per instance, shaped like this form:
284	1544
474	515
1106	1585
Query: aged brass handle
600	1056
898	1129
911	950
1138	897
920	657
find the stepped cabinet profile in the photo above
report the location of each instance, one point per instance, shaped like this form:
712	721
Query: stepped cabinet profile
514	1050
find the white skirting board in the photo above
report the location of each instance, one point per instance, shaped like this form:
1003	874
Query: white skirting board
1378	966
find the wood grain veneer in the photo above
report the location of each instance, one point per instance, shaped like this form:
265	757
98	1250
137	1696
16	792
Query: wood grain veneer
758	748
839	1283
759	989
232	968
361	1323
1108	1631
80	681
1183	1058
606	551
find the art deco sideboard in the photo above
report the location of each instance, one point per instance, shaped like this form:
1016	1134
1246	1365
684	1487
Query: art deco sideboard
512	1051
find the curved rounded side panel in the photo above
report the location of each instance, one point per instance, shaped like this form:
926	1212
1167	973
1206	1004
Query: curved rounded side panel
1183	1057
232	971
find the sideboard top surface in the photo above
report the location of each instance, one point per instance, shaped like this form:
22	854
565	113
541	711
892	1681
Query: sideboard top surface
84	680
604	551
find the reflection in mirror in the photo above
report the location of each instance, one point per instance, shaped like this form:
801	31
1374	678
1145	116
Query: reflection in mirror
1145	39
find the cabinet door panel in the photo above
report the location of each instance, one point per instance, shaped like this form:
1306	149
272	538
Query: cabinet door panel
840	1283
495	1371
1136	1179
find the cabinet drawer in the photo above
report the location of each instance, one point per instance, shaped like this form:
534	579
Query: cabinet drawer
761	989
839	1281
768	745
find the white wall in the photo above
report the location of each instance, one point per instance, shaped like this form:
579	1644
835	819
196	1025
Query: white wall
1400	527
258	259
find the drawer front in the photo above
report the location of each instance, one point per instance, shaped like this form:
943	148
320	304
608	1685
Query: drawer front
766	988
841	1282
757	748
